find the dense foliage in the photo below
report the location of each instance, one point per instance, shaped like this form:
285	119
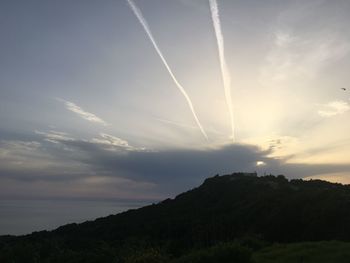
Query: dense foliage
229	217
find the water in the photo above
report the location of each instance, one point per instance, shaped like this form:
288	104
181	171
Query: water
19	217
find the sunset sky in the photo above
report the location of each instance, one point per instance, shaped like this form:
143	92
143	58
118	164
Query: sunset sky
88	109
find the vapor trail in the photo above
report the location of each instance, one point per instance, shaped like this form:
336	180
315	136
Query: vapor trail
224	70
144	23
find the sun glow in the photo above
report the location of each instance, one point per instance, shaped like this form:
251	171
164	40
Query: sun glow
260	163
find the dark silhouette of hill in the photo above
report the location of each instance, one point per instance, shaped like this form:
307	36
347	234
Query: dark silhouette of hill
249	211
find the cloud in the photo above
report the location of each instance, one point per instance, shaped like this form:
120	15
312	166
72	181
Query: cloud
108	166
177	170
55	136
82	113
301	46
105	141
292	56
334	108
114	143
61	171
283	39
33	160
17	153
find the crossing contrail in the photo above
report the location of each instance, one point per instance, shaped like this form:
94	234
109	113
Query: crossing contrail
224	70
144	23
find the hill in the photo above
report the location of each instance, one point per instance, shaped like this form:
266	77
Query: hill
236	215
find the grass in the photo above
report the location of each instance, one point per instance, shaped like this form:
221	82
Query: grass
306	252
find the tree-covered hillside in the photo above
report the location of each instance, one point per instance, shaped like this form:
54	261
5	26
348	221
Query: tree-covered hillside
235	215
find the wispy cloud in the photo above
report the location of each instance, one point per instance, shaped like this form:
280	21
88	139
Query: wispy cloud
32	158
55	136
16	148
105	141
334	108
113	143
294	57
283	39
82	113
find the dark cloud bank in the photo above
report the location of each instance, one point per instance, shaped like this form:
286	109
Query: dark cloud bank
178	165
171	171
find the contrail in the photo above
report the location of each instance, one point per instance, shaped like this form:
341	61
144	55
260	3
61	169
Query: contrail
144	23
224	70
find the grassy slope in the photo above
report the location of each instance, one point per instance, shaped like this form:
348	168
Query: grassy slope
305	252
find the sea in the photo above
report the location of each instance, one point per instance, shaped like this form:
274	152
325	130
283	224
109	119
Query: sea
19	217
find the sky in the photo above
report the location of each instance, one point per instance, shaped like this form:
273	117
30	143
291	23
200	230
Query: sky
141	100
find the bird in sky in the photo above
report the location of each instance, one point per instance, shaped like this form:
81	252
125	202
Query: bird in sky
343	89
